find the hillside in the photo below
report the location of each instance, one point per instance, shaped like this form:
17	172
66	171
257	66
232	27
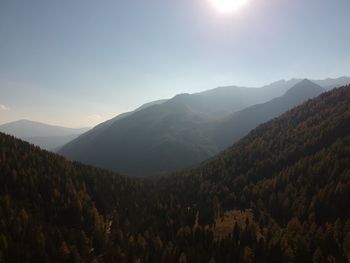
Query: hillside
182	131
283	188
278	195
57	203
46	136
159	138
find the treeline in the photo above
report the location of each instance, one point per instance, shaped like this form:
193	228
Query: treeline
279	195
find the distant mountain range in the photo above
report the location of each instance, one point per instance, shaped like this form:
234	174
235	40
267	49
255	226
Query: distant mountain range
46	136
189	128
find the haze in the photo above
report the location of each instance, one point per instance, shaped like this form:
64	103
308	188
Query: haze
78	63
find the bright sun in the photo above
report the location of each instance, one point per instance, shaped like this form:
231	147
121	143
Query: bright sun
226	6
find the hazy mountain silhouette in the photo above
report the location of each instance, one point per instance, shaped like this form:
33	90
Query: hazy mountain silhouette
158	138
223	101
232	98
240	123
184	130
165	135
46	136
331	83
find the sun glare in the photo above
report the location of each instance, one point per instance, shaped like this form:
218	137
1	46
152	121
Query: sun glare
227	6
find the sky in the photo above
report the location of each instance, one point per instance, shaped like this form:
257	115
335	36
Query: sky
77	63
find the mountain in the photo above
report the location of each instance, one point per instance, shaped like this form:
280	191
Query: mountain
159	138
232	98
234	127
280	194
331	83
287	181
219	101
46	136
182	131
225	100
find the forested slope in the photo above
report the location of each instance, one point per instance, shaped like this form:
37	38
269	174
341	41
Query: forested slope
53	210
278	195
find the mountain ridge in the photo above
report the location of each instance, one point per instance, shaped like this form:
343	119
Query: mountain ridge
169	136
41	134
240	123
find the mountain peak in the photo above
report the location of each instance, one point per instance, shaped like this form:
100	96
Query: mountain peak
306	82
305	87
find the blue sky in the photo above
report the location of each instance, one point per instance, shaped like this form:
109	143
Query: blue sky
79	62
